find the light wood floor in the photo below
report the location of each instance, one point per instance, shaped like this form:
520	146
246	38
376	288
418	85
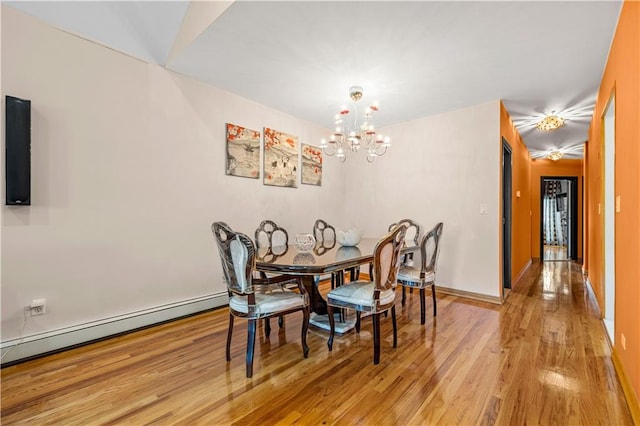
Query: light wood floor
555	252
541	358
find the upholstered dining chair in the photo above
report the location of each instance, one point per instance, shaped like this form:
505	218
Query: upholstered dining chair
323	232
269	234
373	297
412	237
325	236
238	256
424	274
276	239
413	230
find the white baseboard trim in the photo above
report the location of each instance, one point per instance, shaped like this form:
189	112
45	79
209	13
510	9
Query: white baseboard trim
41	343
469	295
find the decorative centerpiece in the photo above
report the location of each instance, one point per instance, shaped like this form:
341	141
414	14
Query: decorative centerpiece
348	238
304	242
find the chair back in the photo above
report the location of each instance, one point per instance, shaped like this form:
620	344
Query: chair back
271	235
430	248
238	256
322	231
386	258
413	230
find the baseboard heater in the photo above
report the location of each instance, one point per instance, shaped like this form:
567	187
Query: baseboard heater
18	350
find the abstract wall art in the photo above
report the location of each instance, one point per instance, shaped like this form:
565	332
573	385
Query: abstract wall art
311	173
243	152
280	159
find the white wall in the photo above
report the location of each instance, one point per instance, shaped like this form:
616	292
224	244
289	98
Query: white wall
439	169
128	173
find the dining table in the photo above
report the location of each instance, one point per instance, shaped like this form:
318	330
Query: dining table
326	257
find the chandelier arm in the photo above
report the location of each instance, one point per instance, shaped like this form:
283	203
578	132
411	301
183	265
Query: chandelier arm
328	152
384	151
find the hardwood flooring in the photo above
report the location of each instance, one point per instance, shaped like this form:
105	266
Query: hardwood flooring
541	358
555	253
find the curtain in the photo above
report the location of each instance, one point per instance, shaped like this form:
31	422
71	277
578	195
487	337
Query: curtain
553	232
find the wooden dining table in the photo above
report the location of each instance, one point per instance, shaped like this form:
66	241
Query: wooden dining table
325	258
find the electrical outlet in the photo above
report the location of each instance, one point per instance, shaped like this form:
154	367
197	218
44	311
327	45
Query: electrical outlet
623	341
38	307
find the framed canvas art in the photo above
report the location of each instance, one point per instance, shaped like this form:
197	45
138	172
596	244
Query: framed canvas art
280	159
311	172
243	152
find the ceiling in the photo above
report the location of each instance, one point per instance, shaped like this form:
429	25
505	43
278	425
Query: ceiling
416	58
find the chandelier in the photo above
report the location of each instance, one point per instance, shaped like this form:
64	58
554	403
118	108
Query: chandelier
350	135
554	155
550	122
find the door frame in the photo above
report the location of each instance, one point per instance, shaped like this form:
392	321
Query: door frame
507	186
573	181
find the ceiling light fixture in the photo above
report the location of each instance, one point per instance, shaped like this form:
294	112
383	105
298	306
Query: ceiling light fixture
350	135
555	155
550	122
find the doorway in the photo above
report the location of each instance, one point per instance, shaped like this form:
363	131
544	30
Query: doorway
506	216
609	247
558	218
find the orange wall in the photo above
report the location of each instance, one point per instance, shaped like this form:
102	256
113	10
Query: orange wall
521	206
622	75
544	167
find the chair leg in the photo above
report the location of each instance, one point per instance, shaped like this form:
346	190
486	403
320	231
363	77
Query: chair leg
358	322
251	340
229	333
376	338
267	327
404	295
433	294
395	326
305	328
281	321
422	305
332	326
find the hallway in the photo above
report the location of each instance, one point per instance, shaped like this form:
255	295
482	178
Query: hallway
562	358
541	358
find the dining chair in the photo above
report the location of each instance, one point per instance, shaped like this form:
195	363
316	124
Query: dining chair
269	234
238	256
322	231
372	297
276	239
425	274
413	230
411	238
325	236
